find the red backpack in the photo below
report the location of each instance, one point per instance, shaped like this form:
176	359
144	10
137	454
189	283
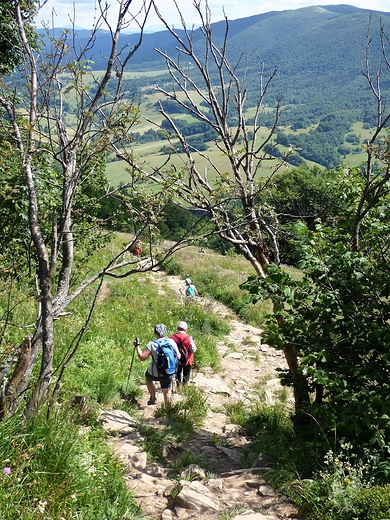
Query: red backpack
182	345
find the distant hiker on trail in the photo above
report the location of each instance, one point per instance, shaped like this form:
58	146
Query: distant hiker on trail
165	355
189	289
187	346
137	249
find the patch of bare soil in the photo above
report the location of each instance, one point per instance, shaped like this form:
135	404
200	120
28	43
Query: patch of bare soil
234	490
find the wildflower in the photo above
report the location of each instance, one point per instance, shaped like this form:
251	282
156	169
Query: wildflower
7	471
42	506
347	481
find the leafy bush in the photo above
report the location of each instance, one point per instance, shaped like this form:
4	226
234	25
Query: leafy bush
342	491
172	267
337	314
373	503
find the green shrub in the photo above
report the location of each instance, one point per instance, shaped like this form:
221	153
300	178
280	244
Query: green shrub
342	490
172	267
373	503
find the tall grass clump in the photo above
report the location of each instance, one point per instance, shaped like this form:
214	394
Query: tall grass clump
53	469
270	426
184	415
187	458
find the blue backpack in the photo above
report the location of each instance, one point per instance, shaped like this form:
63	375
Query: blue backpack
166	358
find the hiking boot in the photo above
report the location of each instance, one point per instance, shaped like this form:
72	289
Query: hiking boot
152	400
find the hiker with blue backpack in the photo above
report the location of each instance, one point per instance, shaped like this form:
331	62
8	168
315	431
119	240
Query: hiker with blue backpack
187	346
190	289
165	356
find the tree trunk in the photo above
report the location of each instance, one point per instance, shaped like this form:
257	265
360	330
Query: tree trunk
10	394
300	386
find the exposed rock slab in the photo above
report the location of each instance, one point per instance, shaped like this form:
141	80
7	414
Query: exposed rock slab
195	495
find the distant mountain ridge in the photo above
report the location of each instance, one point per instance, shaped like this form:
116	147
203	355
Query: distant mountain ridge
264	32
319	52
313	46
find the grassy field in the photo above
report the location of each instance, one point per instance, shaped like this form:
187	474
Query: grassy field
150	155
150	118
149	152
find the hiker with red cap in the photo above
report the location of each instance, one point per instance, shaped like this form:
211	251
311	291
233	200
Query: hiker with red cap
186	346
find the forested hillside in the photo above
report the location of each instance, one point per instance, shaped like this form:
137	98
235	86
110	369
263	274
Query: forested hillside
319	53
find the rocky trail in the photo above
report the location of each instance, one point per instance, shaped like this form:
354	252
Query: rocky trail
234	492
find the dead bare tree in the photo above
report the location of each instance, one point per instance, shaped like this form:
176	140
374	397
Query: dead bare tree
213	91
375	179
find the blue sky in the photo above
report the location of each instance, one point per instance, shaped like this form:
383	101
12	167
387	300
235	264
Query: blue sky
61	10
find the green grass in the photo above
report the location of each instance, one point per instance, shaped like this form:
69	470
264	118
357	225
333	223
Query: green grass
218	277
57	470
150	153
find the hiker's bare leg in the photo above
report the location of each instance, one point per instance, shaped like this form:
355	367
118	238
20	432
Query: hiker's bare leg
151	387
167	395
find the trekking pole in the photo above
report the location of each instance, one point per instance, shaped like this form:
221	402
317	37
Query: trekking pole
136	344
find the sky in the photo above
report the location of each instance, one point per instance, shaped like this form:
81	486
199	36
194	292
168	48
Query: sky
60	11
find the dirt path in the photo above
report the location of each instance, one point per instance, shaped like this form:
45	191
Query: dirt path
247	367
